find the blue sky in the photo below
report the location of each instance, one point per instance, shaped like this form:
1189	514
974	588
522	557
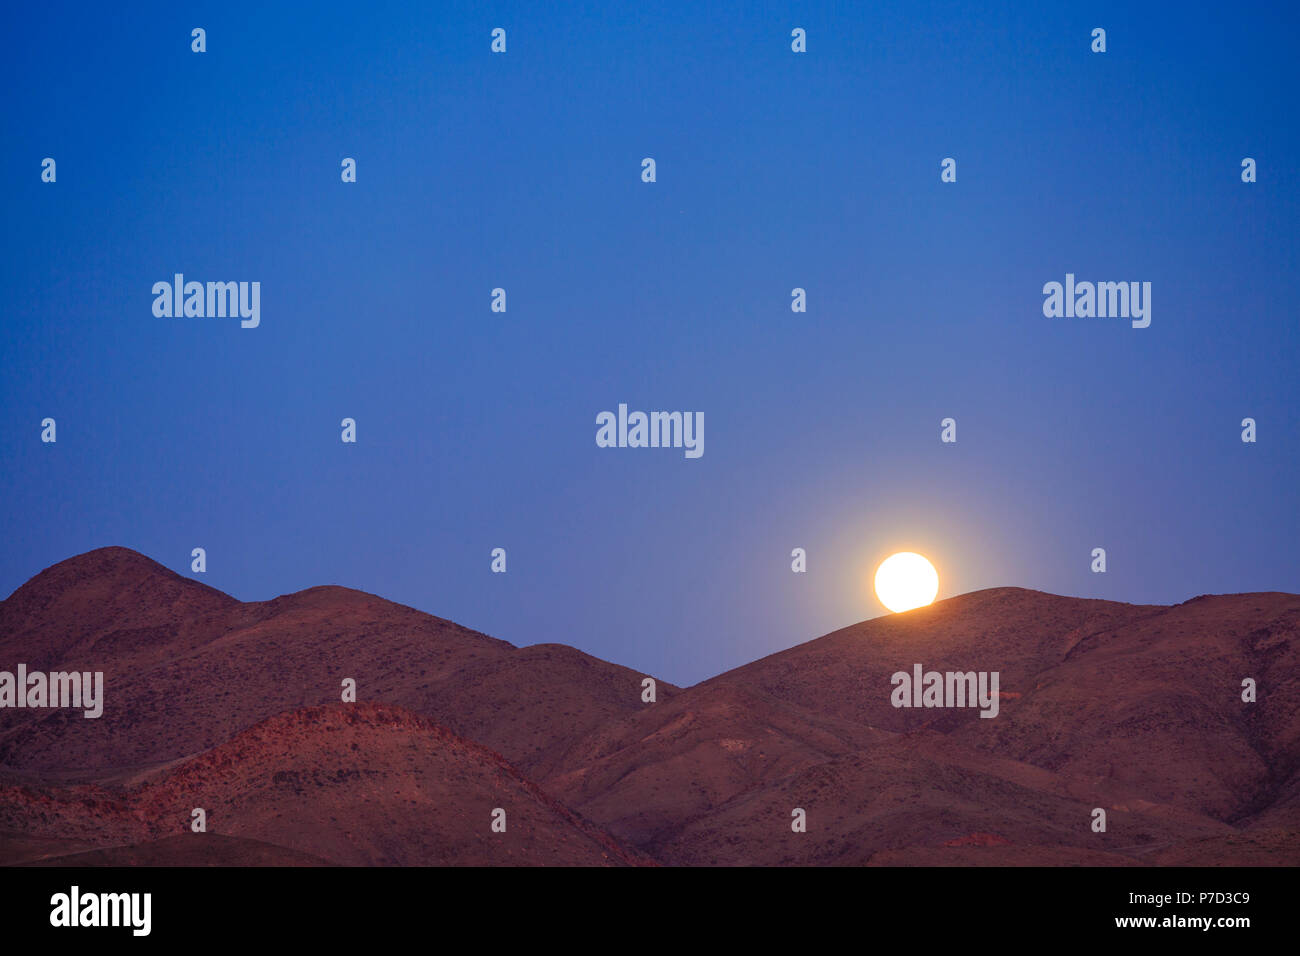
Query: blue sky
775	170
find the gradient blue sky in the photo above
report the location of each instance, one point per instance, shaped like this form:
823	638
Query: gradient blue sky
775	170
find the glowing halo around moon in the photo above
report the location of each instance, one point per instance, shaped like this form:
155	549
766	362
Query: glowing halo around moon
906	580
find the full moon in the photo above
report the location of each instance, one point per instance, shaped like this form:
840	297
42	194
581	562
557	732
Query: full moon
906	580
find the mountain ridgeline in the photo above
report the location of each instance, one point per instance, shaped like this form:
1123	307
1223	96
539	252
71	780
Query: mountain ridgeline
466	750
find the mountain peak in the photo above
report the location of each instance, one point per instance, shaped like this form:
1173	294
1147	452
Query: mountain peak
107	591
113	563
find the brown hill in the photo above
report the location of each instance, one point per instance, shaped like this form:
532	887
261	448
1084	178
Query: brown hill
648	775
1133	709
187	667
713	777
112	604
351	784
1145	697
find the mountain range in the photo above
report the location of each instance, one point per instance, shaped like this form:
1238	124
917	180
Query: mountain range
236	708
